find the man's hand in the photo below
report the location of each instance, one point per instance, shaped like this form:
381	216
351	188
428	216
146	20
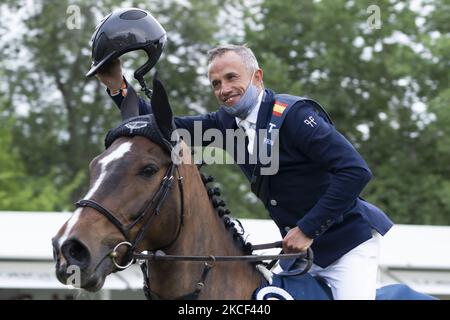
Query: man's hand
296	241
111	75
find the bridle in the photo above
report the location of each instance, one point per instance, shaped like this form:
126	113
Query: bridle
146	215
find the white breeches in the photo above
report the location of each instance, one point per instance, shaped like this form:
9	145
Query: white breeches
354	275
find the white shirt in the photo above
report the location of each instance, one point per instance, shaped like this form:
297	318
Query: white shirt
249	123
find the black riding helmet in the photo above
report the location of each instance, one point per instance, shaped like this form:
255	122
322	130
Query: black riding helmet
126	30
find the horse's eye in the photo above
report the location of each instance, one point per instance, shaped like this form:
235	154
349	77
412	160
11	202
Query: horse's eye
148	171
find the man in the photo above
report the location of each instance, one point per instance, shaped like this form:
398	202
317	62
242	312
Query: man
316	189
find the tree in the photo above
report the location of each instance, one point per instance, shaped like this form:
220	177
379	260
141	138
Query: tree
66	115
370	82
385	88
19	191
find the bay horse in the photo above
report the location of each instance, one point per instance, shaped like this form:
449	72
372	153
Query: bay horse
129	187
146	194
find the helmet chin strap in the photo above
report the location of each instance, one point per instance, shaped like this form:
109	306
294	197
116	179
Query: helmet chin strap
148	92
151	49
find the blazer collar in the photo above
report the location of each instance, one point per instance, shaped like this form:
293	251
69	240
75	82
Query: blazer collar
227	121
265	110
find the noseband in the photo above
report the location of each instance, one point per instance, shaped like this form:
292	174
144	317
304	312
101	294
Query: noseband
145	214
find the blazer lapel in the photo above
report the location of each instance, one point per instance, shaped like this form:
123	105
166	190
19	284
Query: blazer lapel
227	121
264	115
265	110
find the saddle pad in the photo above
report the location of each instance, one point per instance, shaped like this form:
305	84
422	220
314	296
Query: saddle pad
300	287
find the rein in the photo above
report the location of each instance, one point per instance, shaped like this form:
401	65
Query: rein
160	256
210	261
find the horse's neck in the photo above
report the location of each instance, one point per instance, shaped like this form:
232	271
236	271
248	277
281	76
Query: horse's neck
203	233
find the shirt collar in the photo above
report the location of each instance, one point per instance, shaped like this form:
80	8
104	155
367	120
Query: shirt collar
253	116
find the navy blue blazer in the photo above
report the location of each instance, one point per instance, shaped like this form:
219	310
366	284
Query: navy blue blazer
319	180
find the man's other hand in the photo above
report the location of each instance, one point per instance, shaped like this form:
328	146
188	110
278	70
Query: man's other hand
296	241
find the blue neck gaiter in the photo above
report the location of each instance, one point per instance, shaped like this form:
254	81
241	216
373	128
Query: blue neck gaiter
246	103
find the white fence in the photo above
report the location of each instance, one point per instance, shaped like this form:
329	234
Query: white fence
415	255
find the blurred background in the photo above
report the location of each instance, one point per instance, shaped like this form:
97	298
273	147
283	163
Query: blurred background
380	68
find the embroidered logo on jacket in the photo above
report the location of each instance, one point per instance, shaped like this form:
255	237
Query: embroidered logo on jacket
310	121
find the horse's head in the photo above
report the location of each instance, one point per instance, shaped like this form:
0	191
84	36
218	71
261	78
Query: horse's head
131	194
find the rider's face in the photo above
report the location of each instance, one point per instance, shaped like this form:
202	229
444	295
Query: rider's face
229	78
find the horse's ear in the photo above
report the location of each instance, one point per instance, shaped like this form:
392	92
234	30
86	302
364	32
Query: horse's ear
161	109
129	107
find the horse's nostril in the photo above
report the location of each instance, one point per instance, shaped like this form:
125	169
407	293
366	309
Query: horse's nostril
75	253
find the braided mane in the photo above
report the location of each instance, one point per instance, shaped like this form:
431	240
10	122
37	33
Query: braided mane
225	213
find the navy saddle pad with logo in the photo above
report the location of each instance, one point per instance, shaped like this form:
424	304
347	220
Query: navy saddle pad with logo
290	287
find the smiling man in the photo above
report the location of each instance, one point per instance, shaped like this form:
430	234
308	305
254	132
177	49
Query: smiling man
314	195
237	83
